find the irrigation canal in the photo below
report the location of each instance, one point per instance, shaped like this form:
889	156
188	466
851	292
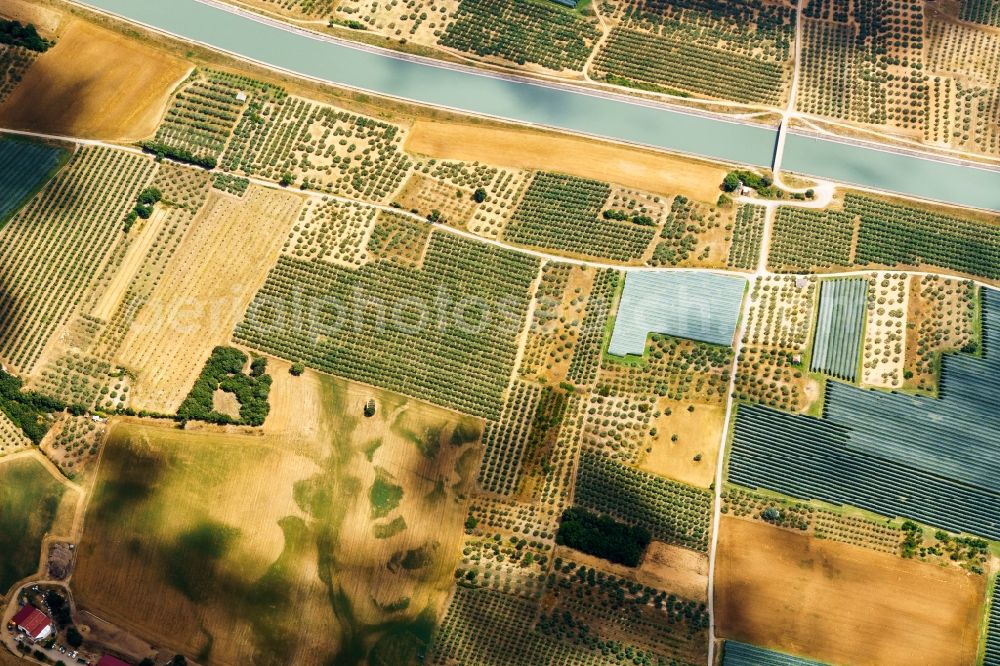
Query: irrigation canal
559	106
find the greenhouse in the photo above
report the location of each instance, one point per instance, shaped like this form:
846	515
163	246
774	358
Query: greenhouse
698	306
743	654
838	330
931	459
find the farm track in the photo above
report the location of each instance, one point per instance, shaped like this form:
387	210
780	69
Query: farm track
824	190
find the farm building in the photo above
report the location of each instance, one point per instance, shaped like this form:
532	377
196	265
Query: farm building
33	623
108	660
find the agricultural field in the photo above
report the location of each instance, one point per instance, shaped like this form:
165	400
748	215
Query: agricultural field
464	195
897	611
73	444
912	69
891	453
742	654
874	232
527	426
399	240
25	166
943	318
563	214
59	94
33	503
294	140
697	306
673	512
556	329
487	626
14	62
54	247
839	324
332	231
991	654
264	547
192	310
471	277
12	438
770	369
205	111
898	235
672	368
710	49
884	353
80	365
748	232
805	240
814	518
781	312
693	234
539	33
363	383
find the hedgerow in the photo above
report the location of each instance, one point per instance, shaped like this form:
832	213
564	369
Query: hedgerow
602	536
16	33
224	371
26	409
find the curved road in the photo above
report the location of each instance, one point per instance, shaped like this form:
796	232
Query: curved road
558	106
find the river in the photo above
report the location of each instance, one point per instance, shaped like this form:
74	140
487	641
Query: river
610	116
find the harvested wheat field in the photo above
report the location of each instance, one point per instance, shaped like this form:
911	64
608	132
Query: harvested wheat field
842	604
588	158
277	546
96	84
204	292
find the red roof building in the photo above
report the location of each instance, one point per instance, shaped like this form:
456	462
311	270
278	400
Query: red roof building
108	660
33	622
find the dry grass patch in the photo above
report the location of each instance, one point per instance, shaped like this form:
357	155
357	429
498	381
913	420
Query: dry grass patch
677	569
94	83
842	604
424	195
204	292
46	20
587	158
698	434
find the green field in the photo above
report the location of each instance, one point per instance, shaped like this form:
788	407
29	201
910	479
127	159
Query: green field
29	503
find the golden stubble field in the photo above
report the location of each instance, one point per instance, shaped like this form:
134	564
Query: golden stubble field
204	292
587	158
96	84
842	604
261	546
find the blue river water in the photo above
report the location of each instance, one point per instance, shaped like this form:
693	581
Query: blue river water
613	117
